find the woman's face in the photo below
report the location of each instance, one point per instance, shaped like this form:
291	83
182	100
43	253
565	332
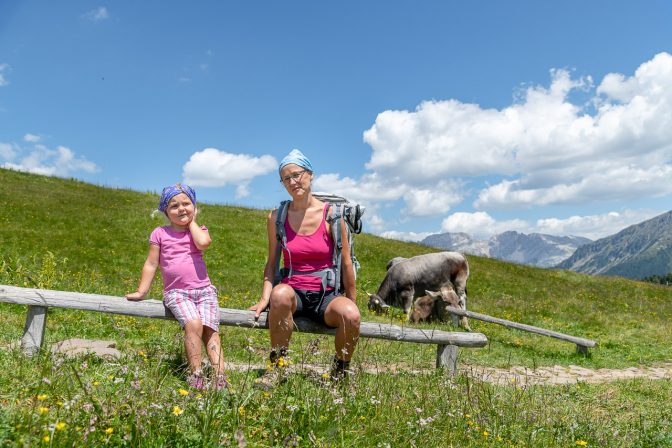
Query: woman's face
296	179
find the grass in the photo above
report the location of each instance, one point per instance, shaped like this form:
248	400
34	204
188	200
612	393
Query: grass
68	235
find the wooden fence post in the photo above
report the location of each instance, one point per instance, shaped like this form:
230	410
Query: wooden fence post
33	331
446	357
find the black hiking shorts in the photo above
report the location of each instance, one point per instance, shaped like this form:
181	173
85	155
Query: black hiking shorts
313	304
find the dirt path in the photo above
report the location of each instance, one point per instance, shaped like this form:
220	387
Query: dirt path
554	375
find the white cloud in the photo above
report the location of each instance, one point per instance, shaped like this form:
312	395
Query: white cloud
543	148
3	80
405	236
7	151
31	138
481	225
96	15
214	168
594	226
39	159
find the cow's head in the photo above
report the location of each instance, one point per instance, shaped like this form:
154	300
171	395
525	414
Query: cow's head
423	308
376	304
444	299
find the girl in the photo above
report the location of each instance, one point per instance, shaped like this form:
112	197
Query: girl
187	291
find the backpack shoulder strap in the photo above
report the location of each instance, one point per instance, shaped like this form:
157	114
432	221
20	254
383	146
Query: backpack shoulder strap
336	214
281	237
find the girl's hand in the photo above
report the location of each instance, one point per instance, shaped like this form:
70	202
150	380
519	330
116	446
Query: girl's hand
135	296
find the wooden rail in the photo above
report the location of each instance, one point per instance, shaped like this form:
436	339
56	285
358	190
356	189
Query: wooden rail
582	345
40	300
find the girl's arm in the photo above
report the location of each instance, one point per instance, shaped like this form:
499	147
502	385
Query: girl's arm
148	272
201	237
347	269
269	269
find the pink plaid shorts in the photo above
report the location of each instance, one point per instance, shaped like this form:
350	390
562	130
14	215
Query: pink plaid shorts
194	304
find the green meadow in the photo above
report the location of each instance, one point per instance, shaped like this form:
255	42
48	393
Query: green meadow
72	236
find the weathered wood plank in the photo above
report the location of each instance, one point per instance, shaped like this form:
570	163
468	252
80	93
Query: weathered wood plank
580	342
230	317
446	357
33	331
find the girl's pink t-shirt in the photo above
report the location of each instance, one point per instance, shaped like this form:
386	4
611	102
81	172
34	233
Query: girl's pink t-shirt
308	253
181	262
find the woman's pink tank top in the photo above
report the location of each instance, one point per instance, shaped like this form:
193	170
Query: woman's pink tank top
308	253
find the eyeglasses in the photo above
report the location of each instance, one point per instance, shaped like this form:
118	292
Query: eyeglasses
292	177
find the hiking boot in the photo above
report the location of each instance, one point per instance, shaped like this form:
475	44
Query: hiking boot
276	371
195	380
340	370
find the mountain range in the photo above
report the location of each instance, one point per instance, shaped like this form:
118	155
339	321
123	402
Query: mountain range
639	251
535	249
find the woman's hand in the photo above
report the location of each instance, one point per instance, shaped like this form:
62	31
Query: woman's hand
259	308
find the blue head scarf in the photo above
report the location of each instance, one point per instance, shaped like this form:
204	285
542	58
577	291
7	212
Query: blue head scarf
173	190
297	158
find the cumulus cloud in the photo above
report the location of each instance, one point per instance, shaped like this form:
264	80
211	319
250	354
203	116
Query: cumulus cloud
214	168
3	69
481	224
97	14
40	159
543	148
31	138
405	236
594	226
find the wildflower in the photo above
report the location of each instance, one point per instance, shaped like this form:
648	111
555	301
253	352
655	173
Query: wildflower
326	376
177	410
59	426
109	430
59	403
42	397
362	417
43	409
183	392
96	383
581	442
46	380
46	439
486	434
241	410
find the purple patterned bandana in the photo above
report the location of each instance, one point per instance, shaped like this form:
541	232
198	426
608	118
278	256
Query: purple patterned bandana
173	190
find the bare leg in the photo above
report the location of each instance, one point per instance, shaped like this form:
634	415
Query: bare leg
343	314
280	321
214	349
193	334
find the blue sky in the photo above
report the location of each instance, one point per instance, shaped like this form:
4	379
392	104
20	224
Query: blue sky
481	117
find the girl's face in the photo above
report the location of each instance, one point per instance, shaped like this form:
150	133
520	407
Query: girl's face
180	211
296	179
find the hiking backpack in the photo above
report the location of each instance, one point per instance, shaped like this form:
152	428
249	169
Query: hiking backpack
352	214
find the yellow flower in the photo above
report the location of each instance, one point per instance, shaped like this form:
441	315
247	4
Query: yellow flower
282	362
109	430
486	434
96	383
325	376
361	417
581	442
43	409
183	392
177	410
59	426
42	397
46	438
241	410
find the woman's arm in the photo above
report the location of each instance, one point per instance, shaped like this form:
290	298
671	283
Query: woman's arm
347	269
269	269
147	275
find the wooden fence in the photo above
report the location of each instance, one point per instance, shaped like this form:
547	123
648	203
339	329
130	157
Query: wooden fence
582	344
40	300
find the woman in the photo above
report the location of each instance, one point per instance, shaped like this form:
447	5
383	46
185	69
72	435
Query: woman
309	247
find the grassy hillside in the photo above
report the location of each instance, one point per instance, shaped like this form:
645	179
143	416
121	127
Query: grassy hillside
68	235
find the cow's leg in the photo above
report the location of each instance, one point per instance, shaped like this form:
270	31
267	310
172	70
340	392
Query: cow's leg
406	298
460	284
